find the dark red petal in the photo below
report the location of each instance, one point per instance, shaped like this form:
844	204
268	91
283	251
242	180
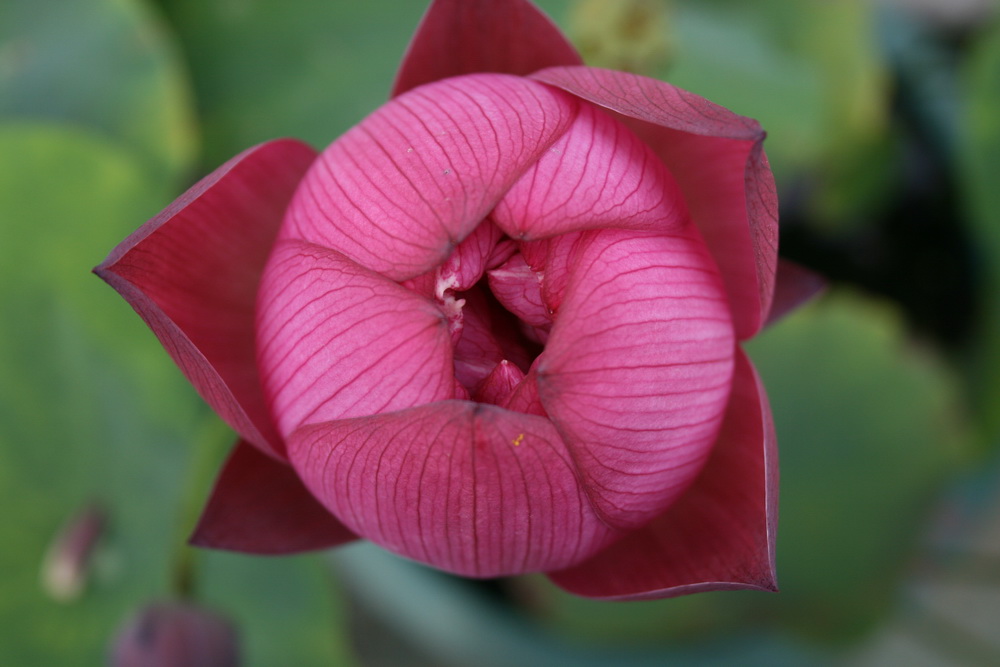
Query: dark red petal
192	274
468	36
719	535
794	285
260	506
719	162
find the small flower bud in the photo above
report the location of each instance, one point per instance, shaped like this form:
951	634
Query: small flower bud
66	566
175	635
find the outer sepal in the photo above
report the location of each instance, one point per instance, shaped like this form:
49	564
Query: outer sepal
192	273
260	506
469	36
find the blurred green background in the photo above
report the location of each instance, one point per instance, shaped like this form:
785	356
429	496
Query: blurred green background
884	134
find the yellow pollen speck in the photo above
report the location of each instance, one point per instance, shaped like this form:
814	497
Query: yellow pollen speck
517	441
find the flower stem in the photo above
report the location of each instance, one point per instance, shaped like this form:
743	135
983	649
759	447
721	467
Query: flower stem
210	447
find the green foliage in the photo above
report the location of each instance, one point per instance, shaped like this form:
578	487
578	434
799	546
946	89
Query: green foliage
870	428
82	416
810	72
262	69
106	65
980	157
95	135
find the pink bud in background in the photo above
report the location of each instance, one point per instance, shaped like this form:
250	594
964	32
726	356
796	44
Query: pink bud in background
175	635
494	327
68	561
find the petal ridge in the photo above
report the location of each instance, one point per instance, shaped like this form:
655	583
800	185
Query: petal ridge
400	190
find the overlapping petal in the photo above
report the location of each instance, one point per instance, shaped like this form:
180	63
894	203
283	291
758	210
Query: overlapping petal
637	368
471	488
400	190
720	534
519	289
468	36
336	340
260	506
192	273
596	175
719	162
478	350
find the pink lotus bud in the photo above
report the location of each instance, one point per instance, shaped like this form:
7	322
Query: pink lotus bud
175	635
494	327
67	564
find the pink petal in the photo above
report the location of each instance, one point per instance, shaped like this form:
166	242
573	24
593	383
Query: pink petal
637	369
525	398
466	264
553	260
192	274
718	160
260	506
717	536
519	289
468	36
466	487
336	340
794	286
498	386
400	190
598	175
477	351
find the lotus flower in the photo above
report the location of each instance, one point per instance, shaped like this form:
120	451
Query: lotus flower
493	328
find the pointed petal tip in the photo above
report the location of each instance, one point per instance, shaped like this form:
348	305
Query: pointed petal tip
259	506
794	286
191	273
